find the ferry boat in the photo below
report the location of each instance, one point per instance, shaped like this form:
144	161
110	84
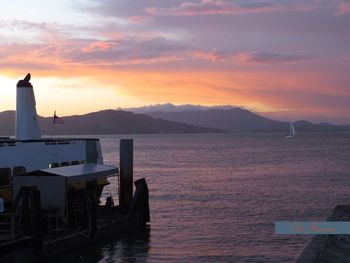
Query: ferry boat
51	188
28	151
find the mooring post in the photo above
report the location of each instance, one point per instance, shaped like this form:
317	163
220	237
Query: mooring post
140	202
126	172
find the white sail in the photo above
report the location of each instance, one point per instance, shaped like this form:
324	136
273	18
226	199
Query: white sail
291	131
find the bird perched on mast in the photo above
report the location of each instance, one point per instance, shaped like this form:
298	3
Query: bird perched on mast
25	82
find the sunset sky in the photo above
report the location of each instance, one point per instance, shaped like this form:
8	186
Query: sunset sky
288	59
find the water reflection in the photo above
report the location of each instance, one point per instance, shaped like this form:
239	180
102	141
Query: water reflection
131	247
214	197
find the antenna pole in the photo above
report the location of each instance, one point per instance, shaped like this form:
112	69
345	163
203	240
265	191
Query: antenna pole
53	125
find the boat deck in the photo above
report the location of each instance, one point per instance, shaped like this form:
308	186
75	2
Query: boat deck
58	140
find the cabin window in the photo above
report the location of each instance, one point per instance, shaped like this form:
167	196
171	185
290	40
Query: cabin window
5	176
82	162
53	165
75	163
18	170
65	164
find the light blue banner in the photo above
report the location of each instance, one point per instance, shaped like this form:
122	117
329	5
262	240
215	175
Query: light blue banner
312	228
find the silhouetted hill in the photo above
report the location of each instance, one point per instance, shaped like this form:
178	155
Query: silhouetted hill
104	122
307	126
123	122
240	120
7	123
233	120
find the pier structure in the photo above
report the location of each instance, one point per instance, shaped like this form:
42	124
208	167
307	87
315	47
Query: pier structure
56	210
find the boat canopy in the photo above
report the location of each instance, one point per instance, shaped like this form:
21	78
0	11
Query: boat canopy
78	173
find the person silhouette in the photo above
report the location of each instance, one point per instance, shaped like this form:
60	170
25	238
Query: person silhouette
2	206
109	202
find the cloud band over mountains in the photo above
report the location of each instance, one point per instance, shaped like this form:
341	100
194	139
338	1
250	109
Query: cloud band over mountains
238	52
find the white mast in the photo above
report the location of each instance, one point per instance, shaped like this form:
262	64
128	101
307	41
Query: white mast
292	129
27	125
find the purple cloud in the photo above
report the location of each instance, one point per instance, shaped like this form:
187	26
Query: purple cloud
212	56
271	58
248	57
215	7
120	52
127	52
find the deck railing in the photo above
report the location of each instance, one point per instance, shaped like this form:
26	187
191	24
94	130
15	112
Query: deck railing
9	226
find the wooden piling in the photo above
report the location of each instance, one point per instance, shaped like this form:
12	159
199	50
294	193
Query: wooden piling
36	224
140	202
126	172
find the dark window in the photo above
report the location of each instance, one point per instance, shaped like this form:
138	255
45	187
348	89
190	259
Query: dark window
75	163
53	165
18	170
65	164
5	176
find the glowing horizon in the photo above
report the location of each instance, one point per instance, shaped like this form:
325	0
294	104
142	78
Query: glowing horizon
288	59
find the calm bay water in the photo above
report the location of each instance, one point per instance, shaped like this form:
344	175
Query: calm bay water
215	197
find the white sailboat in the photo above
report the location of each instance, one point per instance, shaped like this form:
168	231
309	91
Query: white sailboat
291	131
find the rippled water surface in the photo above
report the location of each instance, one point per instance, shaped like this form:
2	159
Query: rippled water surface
215	197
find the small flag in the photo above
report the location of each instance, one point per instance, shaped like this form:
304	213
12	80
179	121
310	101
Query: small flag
57	119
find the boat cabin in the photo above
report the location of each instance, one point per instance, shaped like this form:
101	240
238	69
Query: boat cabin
61	188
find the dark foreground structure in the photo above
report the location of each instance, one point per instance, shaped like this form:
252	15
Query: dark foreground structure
329	248
58	209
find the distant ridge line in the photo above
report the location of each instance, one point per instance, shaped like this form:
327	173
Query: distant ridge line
105	122
200	121
242	120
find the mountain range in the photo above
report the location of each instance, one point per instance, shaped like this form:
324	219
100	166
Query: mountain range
190	120
231	118
241	120
104	122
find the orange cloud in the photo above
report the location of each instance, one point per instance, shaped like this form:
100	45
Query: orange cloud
268	90
147	64
98	46
65	52
265	90
141	19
